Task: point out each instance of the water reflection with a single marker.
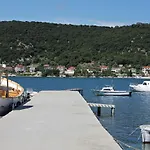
(130, 113)
(145, 146)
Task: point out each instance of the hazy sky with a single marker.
(90, 12)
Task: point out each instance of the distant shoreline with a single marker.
(81, 77)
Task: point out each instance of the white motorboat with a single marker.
(145, 131)
(143, 87)
(110, 91)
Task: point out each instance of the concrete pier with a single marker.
(54, 120)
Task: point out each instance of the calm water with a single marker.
(130, 112)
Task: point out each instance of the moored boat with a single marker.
(11, 93)
(142, 87)
(110, 91)
(31, 92)
(145, 131)
(5, 105)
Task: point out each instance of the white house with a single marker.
(116, 69)
(146, 70)
(70, 71)
(103, 68)
(61, 69)
(19, 68)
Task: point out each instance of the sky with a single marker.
(85, 12)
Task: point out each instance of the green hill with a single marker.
(38, 42)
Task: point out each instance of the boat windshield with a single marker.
(108, 89)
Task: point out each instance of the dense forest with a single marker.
(60, 44)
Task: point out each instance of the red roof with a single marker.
(146, 67)
(103, 67)
(71, 68)
(46, 65)
(20, 66)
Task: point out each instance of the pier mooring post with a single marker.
(98, 111)
(112, 111)
(99, 106)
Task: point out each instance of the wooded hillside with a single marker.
(37, 42)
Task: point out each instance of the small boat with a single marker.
(110, 91)
(143, 87)
(31, 92)
(145, 131)
(11, 94)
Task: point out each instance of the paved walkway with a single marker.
(54, 120)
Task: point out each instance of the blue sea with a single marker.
(130, 112)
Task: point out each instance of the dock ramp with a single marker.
(54, 120)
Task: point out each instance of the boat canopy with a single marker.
(146, 82)
(108, 88)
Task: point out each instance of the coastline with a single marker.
(81, 77)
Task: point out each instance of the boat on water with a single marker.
(11, 93)
(110, 91)
(142, 87)
(145, 131)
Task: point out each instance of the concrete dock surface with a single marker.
(54, 120)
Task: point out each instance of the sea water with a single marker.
(130, 112)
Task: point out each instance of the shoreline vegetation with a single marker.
(50, 49)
